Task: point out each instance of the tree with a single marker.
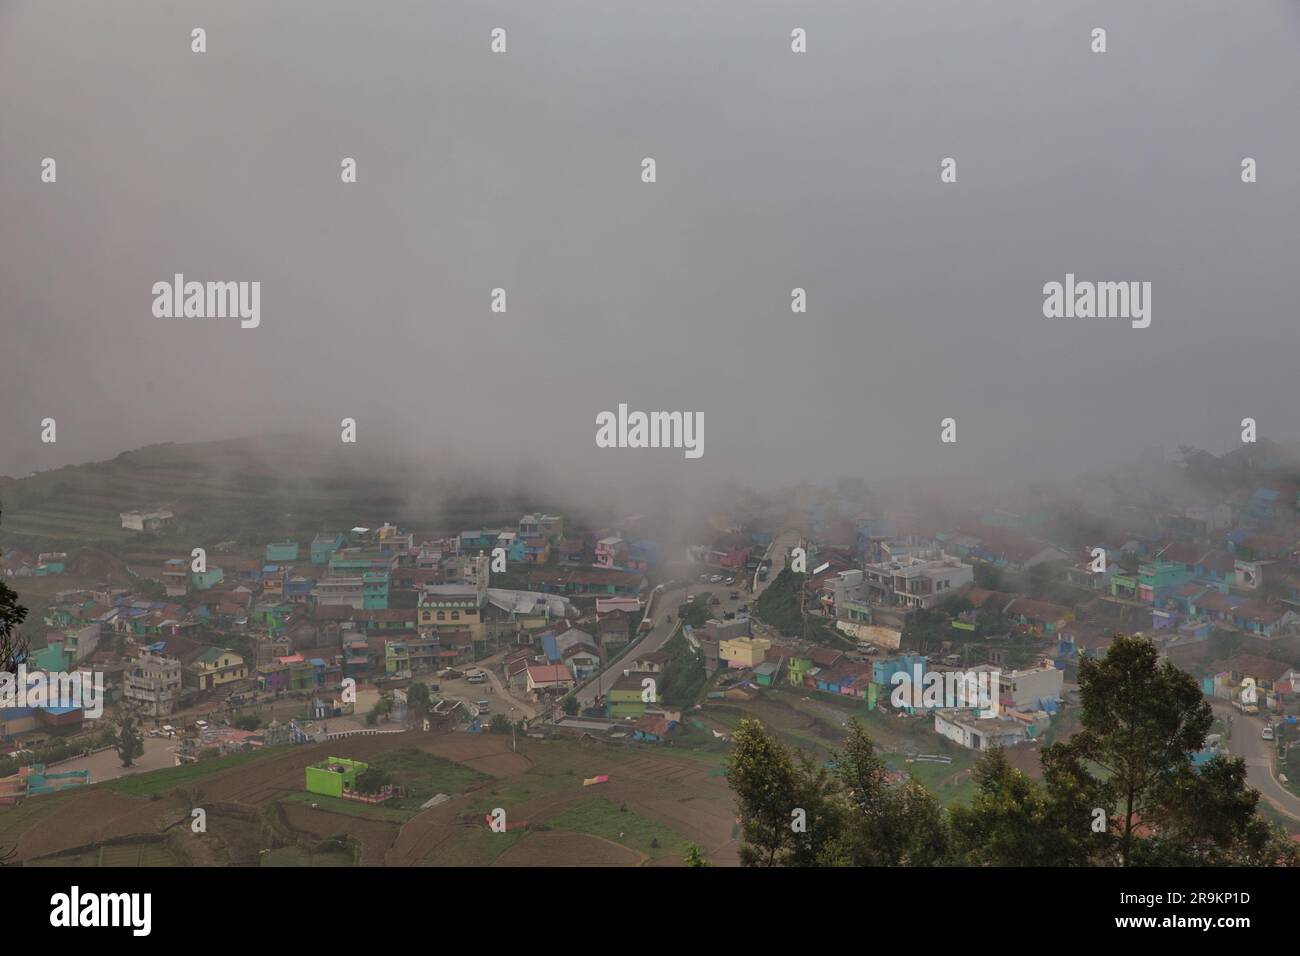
(695, 855)
(248, 722)
(13, 647)
(987, 576)
(129, 743)
(569, 705)
(418, 704)
(1013, 821)
(500, 724)
(1141, 721)
(763, 777)
(1208, 818)
(372, 780)
(887, 824)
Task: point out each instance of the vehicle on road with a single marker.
(715, 579)
(1267, 733)
(477, 677)
(690, 599)
(729, 581)
(451, 674)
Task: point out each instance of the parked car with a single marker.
(730, 581)
(715, 579)
(483, 706)
(734, 595)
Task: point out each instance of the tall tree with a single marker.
(763, 777)
(129, 743)
(886, 823)
(1142, 720)
(1016, 821)
(13, 647)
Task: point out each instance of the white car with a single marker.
(1267, 733)
(715, 579)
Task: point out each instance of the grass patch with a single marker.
(599, 817)
(476, 846)
(363, 811)
(423, 775)
(297, 856)
(169, 778)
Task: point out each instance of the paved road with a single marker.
(776, 551)
(1247, 743)
(666, 604)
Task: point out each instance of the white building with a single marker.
(977, 733)
(145, 520)
(1025, 688)
(340, 592)
(920, 580)
(154, 683)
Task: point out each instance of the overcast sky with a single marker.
(775, 170)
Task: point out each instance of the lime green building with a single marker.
(331, 776)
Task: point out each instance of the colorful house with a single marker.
(743, 651)
(324, 545)
(203, 580)
(283, 551)
(653, 728)
(628, 696)
(374, 590)
(215, 666)
(332, 776)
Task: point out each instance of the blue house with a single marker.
(324, 545)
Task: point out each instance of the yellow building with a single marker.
(743, 651)
(217, 666)
(449, 607)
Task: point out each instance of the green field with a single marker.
(123, 854)
(476, 846)
(599, 817)
(352, 808)
(169, 778)
(424, 775)
(297, 856)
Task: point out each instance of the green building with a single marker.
(625, 698)
(374, 590)
(202, 580)
(331, 776)
(354, 563)
(324, 545)
(282, 551)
